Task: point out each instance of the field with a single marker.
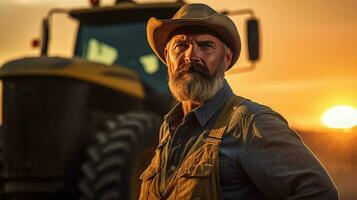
(337, 150)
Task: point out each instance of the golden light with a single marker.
(341, 116)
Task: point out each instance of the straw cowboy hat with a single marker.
(201, 15)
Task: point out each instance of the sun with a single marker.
(341, 116)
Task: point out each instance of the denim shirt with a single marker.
(260, 157)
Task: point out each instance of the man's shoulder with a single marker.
(250, 108)
(247, 112)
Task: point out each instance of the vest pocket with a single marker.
(153, 168)
(149, 172)
(202, 169)
(197, 175)
(148, 177)
(201, 164)
(194, 179)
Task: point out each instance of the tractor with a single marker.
(86, 127)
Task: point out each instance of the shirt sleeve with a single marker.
(279, 163)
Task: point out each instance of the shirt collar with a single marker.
(175, 114)
(204, 112)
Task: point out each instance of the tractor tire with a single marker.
(118, 156)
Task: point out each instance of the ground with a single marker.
(337, 151)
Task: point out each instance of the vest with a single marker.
(198, 175)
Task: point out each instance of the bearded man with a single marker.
(214, 144)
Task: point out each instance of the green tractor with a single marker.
(86, 127)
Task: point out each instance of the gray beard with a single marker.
(196, 87)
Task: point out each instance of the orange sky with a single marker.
(308, 61)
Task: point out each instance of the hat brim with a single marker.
(158, 32)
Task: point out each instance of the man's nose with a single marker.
(192, 54)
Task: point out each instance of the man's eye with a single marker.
(206, 46)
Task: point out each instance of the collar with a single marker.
(204, 112)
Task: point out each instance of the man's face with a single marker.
(196, 63)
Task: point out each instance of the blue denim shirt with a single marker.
(260, 157)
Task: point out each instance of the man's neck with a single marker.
(188, 106)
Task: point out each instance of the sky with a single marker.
(308, 50)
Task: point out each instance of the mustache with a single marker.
(198, 68)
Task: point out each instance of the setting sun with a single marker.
(341, 116)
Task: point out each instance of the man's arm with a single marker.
(280, 165)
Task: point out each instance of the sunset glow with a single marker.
(341, 116)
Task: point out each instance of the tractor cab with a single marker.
(117, 36)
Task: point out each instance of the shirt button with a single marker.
(172, 168)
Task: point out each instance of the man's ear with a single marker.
(166, 54)
(228, 58)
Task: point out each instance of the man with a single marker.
(214, 144)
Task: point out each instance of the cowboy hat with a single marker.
(158, 31)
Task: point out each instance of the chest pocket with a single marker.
(155, 164)
(198, 169)
(150, 172)
(148, 176)
(197, 174)
(153, 168)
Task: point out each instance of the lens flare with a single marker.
(340, 116)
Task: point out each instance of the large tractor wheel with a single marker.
(118, 156)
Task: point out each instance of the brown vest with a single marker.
(198, 176)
